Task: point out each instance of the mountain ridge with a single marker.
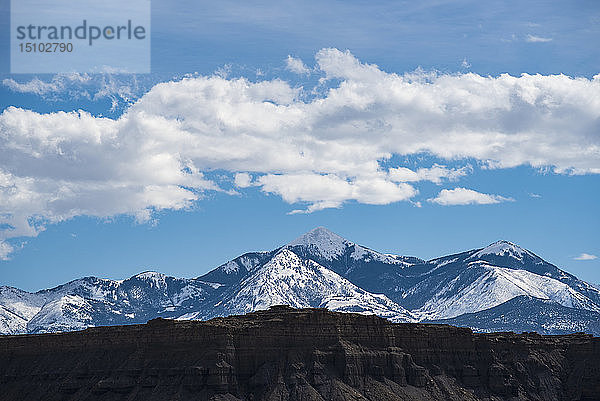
(317, 269)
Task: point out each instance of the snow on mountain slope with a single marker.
(91, 301)
(288, 279)
(21, 303)
(17, 307)
(232, 272)
(67, 313)
(494, 286)
(322, 244)
(11, 323)
(502, 248)
(524, 313)
(318, 269)
(506, 254)
(428, 284)
(368, 269)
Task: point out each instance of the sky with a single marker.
(416, 128)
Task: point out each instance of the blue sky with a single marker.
(454, 157)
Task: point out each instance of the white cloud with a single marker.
(537, 39)
(464, 196)
(59, 83)
(243, 180)
(296, 65)
(465, 64)
(35, 86)
(322, 152)
(61, 165)
(326, 191)
(434, 174)
(586, 256)
(5, 250)
(121, 90)
(533, 195)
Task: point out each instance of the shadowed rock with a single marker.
(305, 354)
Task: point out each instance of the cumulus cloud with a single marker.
(434, 174)
(326, 191)
(586, 256)
(319, 151)
(464, 196)
(296, 65)
(537, 39)
(61, 165)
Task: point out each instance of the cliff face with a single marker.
(307, 354)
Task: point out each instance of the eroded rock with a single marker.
(287, 354)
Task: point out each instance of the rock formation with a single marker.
(297, 354)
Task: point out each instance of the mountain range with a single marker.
(501, 287)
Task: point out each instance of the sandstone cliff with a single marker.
(307, 354)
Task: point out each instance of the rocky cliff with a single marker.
(297, 354)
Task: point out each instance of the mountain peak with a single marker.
(502, 248)
(327, 243)
(155, 279)
(317, 232)
(149, 274)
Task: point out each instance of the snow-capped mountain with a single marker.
(91, 301)
(479, 279)
(376, 272)
(502, 283)
(341, 255)
(524, 313)
(17, 308)
(481, 286)
(302, 283)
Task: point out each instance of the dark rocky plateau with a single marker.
(297, 354)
